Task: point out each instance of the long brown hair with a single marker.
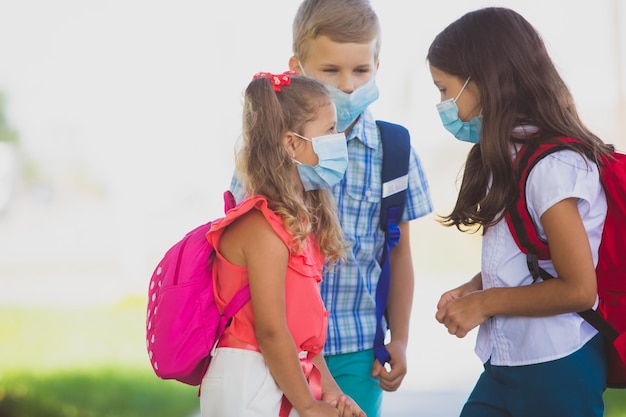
(266, 168)
(518, 84)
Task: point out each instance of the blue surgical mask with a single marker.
(350, 106)
(332, 152)
(449, 114)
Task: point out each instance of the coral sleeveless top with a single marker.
(306, 315)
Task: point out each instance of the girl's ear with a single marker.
(289, 143)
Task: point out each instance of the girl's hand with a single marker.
(448, 296)
(320, 409)
(462, 314)
(344, 404)
(475, 284)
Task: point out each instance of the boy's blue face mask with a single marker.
(332, 153)
(449, 114)
(350, 106)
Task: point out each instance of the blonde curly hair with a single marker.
(265, 167)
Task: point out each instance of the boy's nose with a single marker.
(347, 84)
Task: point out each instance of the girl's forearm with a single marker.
(536, 300)
(328, 382)
(281, 357)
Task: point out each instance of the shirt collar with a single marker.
(525, 131)
(365, 130)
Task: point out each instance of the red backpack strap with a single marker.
(517, 215)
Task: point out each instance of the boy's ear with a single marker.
(294, 65)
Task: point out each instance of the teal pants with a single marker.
(568, 387)
(353, 373)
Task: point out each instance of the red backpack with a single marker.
(183, 323)
(610, 316)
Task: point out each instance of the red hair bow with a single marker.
(277, 80)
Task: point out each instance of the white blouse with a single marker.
(513, 341)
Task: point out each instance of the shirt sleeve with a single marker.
(418, 199)
(237, 188)
(558, 176)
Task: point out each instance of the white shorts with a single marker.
(238, 383)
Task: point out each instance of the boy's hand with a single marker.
(391, 379)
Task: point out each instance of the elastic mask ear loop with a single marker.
(301, 68)
(293, 158)
(462, 89)
(302, 137)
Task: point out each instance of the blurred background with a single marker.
(118, 121)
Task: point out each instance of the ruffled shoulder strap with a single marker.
(250, 203)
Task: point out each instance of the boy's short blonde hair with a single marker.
(342, 21)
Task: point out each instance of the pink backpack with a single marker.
(183, 323)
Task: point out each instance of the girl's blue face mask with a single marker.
(332, 153)
(449, 114)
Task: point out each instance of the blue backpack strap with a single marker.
(395, 172)
(395, 178)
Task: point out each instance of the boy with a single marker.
(337, 42)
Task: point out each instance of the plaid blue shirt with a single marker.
(349, 290)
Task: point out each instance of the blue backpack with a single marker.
(395, 179)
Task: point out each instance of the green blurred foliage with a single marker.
(84, 362)
(96, 393)
(615, 403)
(92, 362)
